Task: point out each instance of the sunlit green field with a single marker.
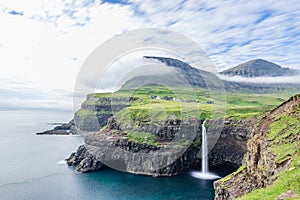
(230, 105)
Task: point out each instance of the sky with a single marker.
(44, 43)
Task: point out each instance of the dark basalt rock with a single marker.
(107, 147)
(54, 132)
(63, 129)
(98, 111)
(232, 144)
(83, 160)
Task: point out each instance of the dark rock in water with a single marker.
(54, 132)
(83, 160)
(63, 129)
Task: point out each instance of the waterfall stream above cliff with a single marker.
(204, 150)
(204, 174)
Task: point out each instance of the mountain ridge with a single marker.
(259, 68)
(192, 77)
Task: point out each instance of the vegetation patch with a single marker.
(142, 137)
(286, 180)
(283, 152)
(201, 107)
(229, 176)
(283, 146)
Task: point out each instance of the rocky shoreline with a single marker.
(106, 148)
(62, 129)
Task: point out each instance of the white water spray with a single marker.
(204, 174)
(204, 150)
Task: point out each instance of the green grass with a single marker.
(142, 137)
(238, 105)
(279, 136)
(286, 180)
(284, 146)
(85, 112)
(150, 110)
(229, 176)
(283, 152)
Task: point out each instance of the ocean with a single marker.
(32, 167)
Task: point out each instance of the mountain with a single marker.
(180, 74)
(183, 75)
(259, 68)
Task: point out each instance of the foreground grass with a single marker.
(283, 145)
(286, 180)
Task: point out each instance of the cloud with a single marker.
(129, 66)
(16, 94)
(47, 41)
(282, 79)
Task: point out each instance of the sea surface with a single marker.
(32, 167)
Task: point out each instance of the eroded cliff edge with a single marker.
(271, 166)
(170, 147)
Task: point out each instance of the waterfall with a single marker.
(204, 150)
(204, 174)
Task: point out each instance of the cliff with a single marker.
(271, 167)
(95, 111)
(169, 149)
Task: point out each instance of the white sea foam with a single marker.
(207, 176)
(62, 162)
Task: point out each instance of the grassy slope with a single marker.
(238, 105)
(146, 110)
(282, 135)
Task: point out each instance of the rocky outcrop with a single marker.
(63, 129)
(83, 160)
(95, 112)
(270, 151)
(232, 144)
(175, 151)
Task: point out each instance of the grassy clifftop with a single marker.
(272, 164)
(195, 103)
(284, 144)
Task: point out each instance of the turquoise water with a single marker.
(31, 168)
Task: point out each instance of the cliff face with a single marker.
(232, 144)
(173, 151)
(270, 159)
(95, 112)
